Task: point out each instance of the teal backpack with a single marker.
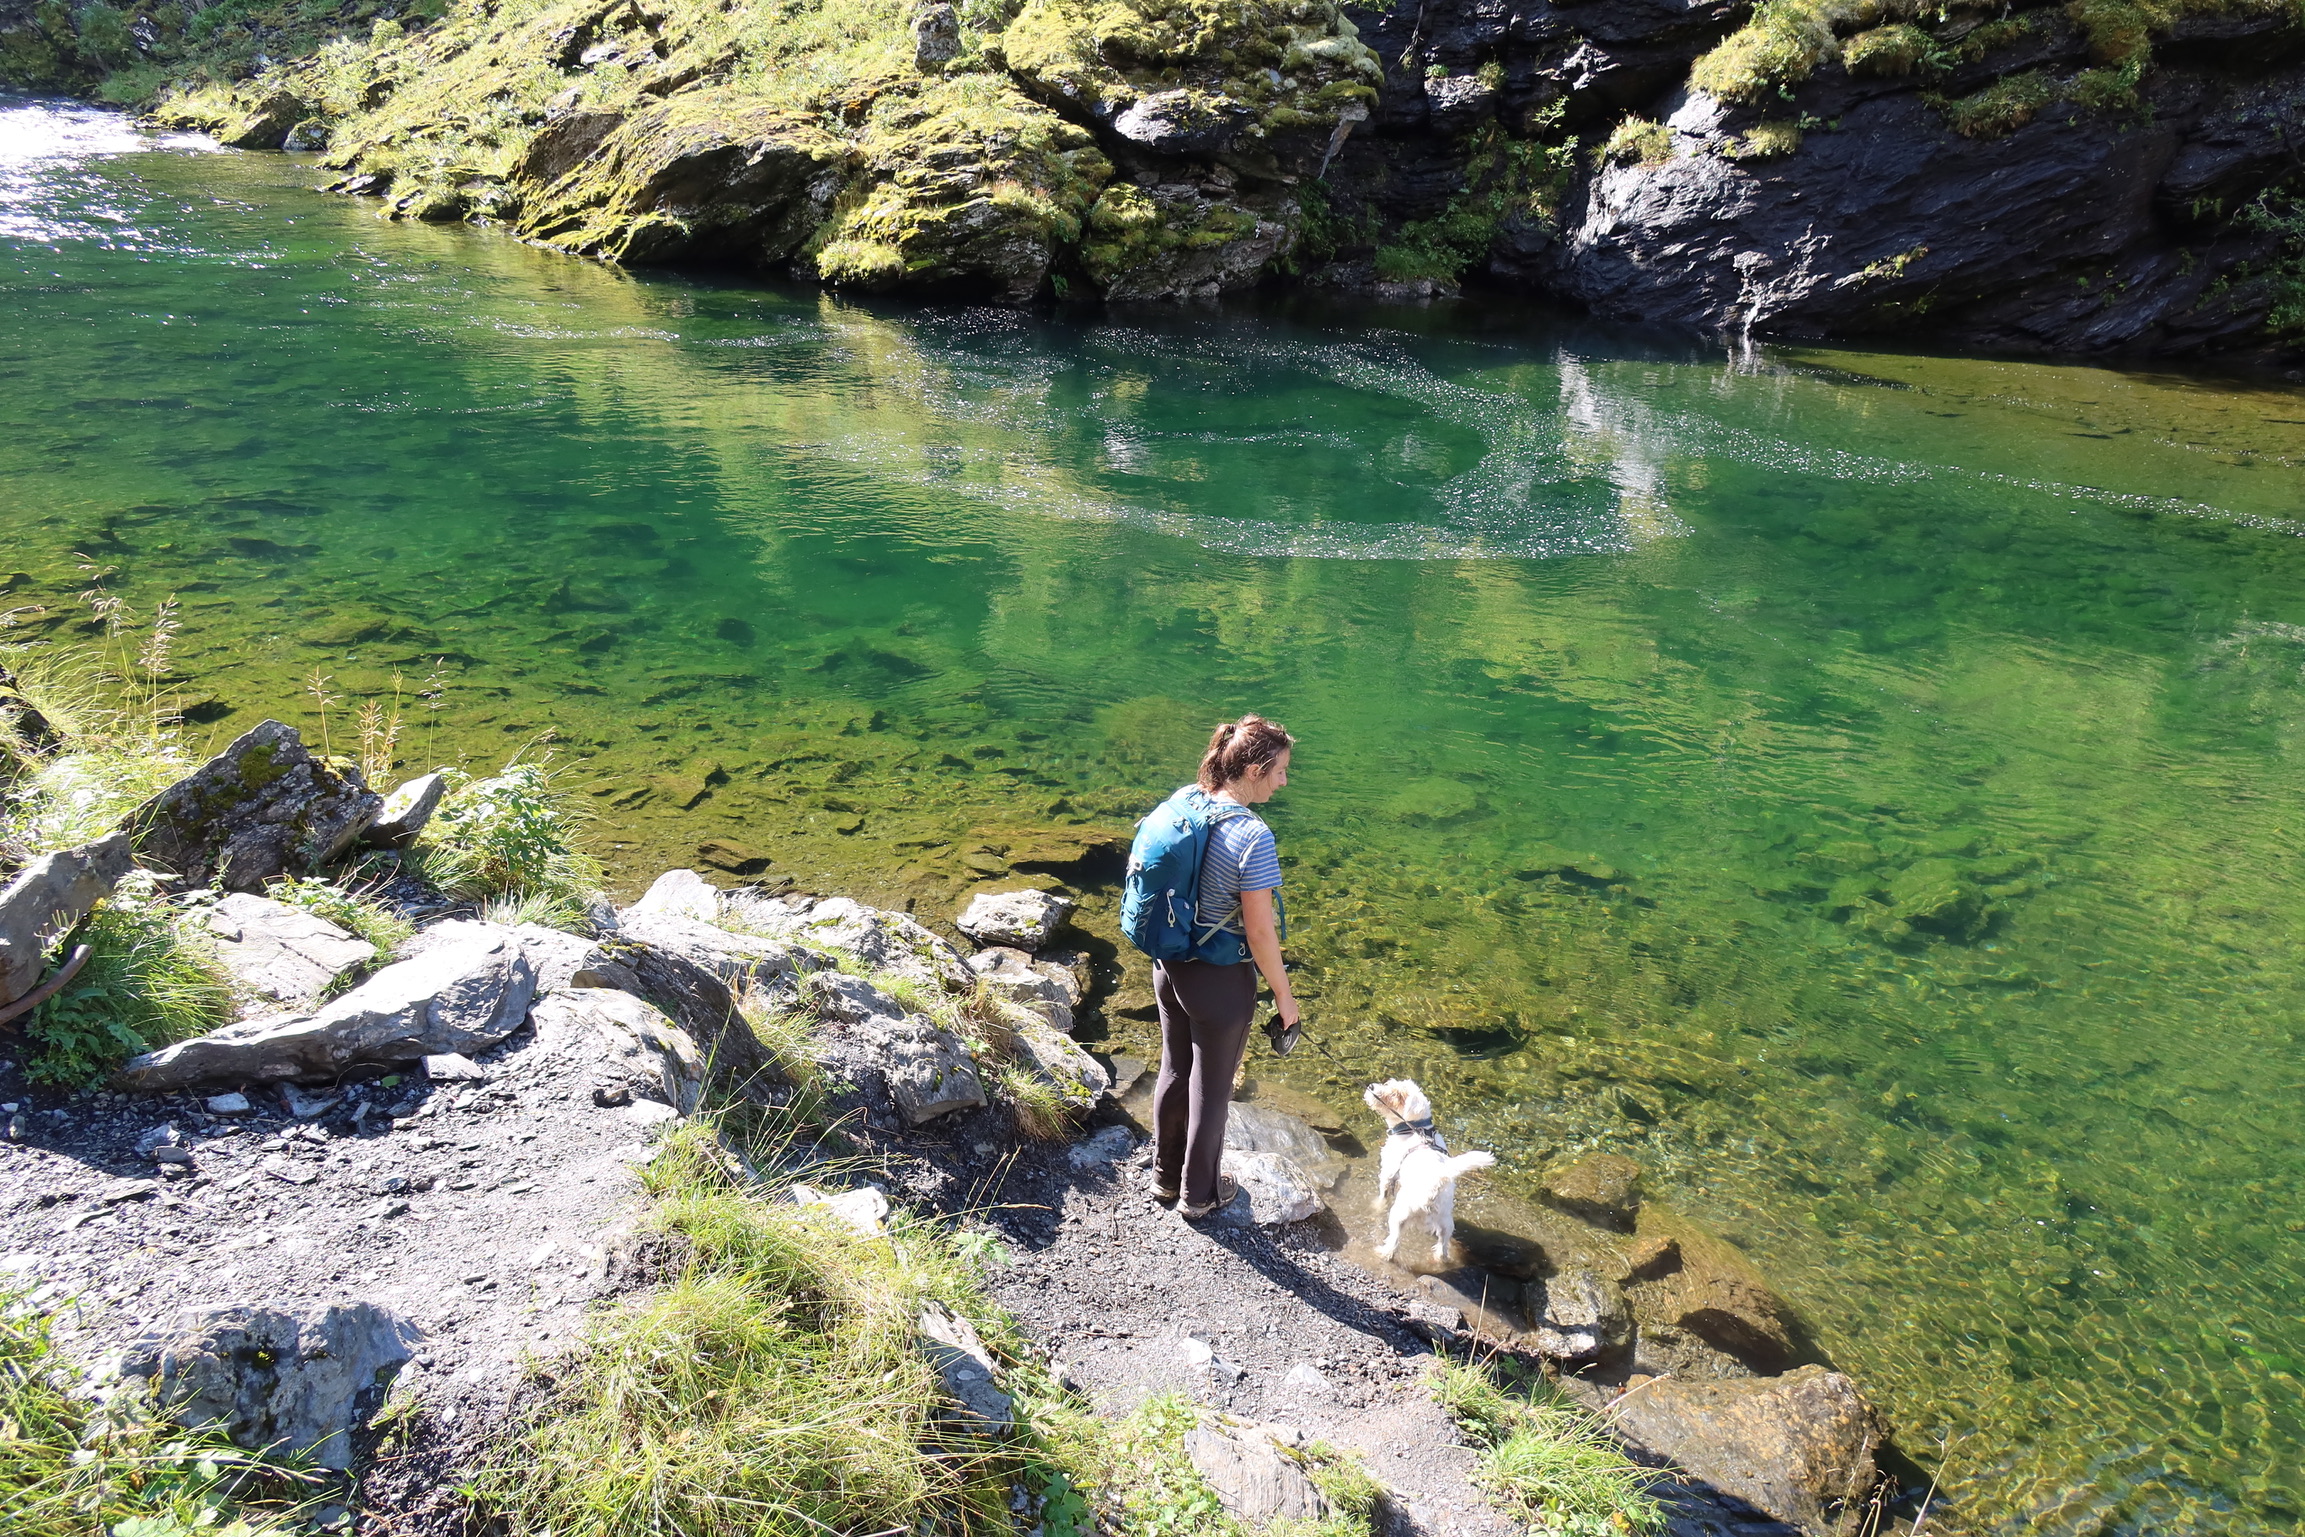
(1160, 895)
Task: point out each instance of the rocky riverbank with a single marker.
(2097, 176)
(354, 1220)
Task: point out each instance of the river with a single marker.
(1858, 785)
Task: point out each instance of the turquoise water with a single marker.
(1860, 786)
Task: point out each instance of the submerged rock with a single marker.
(263, 808)
(46, 898)
(276, 1381)
(1799, 1447)
(1602, 1188)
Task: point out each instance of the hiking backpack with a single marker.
(1160, 896)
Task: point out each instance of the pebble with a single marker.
(227, 1104)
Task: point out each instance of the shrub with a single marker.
(1886, 50)
(1781, 46)
(147, 982)
(1765, 141)
(1549, 1461)
(511, 837)
(71, 1469)
(2003, 107)
(2282, 214)
(1638, 139)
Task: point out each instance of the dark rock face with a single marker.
(263, 808)
(2104, 229)
(267, 125)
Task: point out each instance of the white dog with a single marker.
(1416, 1173)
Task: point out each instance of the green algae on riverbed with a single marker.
(1859, 786)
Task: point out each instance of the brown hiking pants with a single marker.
(1205, 1012)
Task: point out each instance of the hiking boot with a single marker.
(1227, 1188)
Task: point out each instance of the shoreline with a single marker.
(1057, 1205)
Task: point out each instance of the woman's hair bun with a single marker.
(1238, 746)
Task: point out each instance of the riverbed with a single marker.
(1857, 785)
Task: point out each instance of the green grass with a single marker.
(1640, 140)
(149, 981)
(119, 746)
(511, 839)
(773, 1386)
(1546, 1460)
(1779, 48)
(71, 1469)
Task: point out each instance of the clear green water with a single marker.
(1785, 651)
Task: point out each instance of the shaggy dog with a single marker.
(1416, 1172)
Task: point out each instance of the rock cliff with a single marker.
(2093, 176)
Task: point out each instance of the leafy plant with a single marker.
(1550, 1462)
(1505, 178)
(513, 836)
(2281, 213)
(147, 982)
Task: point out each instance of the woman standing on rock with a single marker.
(1208, 997)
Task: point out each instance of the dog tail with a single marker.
(1465, 1163)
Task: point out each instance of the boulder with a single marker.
(889, 1058)
(1602, 1188)
(1185, 239)
(1273, 1189)
(975, 1401)
(562, 960)
(1580, 1315)
(1058, 1058)
(1798, 1447)
(406, 811)
(461, 996)
(276, 1381)
(695, 972)
(288, 955)
(678, 894)
(1025, 920)
(267, 124)
(935, 37)
(1047, 990)
(1254, 1479)
(1183, 122)
(307, 137)
(1717, 1295)
(46, 898)
(1255, 1128)
(884, 941)
(628, 1046)
(263, 808)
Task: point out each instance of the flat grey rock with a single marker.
(1048, 990)
(407, 811)
(1253, 1479)
(461, 996)
(680, 894)
(1255, 1128)
(1080, 1077)
(1273, 1189)
(283, 954)
(975, 1400)
(625, 1043)
(1798, 1447)
(884, 941)
(891, 1057)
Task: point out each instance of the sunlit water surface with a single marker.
(1860, 786)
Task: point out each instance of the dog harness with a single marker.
(1422, 1130)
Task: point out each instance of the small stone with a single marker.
(1027, 919)
(1106, 1148)
(612, 1096)
(292, 1175)
(864, 1209)
(306, 1107)
(406, 812)
(178, 1156)
(170, 1171)
(17, 1128)
(680, 894)
(453, 1067)
(1197, 1352)
(227, 1104)
(1306, 1375)
(116, 1191)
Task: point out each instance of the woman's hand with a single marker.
(1265, 946)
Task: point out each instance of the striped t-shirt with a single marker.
(1241, 857)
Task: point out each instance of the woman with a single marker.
(1205, 1008)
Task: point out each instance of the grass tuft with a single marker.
(1779, 48)
(348, 910)
(1041, 1111)
(149, 981)
(119, 747)
(1551, 1463)
(1638, 139)
(69, 1468)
